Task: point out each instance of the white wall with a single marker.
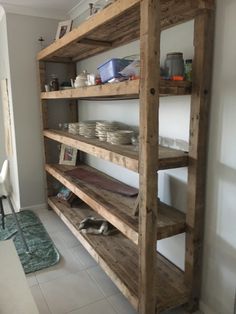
(3, 74)
(22, 35)
(219, 268)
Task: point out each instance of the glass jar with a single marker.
(54, 83)
(188, 70)
(174, 64)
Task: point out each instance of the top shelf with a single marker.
(116, 25)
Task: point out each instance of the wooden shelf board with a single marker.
(116, 25)
(122, 90)
(119, 258)
(116, 208)
(123, 155)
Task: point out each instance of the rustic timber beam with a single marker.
(202, 72)
(149, 108)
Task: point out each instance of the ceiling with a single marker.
(60, 6)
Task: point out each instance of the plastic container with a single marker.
(111, 68)
(174, 64)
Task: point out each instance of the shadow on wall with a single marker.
(219, 267)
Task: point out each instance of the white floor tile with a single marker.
(39, 300)
(31, 279)
(67, 265)
(121, 305)
(70, 292)
(104, 282)
(83, 256)
(64, 239)
(51, 221)
(101, 307)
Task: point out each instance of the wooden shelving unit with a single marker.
(150, 282)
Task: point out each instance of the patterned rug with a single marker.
(43, 252)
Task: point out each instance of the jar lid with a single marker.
(189, 61)
(175, 54)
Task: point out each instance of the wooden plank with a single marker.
(45, 122)
(73, 106)
(202, 69)
(116, 208)
(148, 154)
(125, 89)
(119, 259)
(92, 42)
(123, 155)
(118, 24)
(122, 90)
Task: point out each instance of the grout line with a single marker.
(45, 299)
(84, 306)
(93, 279)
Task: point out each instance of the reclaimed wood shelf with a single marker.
(122, 90)
(150, 282)
(116, 208)
(114, 26)
(123, 155)
(119, 259)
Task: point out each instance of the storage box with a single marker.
(111, 68)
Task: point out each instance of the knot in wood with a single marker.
(153, 91)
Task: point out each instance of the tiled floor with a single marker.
(77, 285)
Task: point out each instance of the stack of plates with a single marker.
(73, 128)
(102, 127)
(87, 128)
(121, 137)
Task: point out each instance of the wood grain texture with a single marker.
(119, 259)
(116, 208)
(117, 25)
(73, 106)
(148, 153)
(202, 69)
(122, 90)
(123, 155)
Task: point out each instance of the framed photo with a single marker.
(63, 28)
(68, 155)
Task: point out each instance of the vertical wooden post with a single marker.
(149, 103)
(44, 106)
(73, 105)
(44, 119)
(202, 69)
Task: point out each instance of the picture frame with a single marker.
(68, 155)
(63, 28)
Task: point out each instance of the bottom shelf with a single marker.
(118, 257)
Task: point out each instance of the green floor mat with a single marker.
(43, 252)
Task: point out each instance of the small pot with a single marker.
(81, 79)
